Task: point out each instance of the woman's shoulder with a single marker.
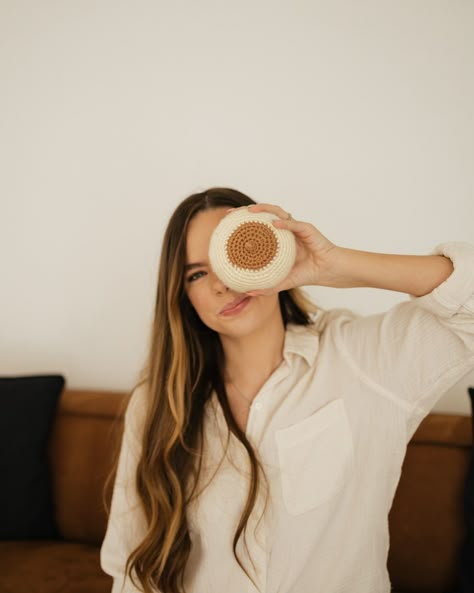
(325, 318)
(323, 324)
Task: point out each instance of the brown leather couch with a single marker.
(426, 521)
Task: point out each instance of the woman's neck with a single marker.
(251, 359)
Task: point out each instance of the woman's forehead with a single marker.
(200, 230)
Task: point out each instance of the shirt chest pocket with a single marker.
(316, 457)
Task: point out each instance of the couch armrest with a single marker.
(426, 519)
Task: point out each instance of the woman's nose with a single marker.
(217, 284)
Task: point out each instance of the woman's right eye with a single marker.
(194, 276)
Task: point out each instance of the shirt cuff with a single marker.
(457, 291)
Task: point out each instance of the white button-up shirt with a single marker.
(330, 427)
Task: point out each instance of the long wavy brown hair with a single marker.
(185, 365)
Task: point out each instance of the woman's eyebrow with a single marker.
(198, 264)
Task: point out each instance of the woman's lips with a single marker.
(236, 308)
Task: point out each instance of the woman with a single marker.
(263, 446)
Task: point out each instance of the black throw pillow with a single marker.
(467, 553)
(27, 408)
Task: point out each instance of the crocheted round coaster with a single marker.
(248, 253)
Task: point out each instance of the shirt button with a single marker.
(258, 406)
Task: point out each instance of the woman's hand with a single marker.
(314, 252)
(320, 262)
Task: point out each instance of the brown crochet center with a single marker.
(252, 246)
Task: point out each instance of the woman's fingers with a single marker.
(290, 224)
(261, 207)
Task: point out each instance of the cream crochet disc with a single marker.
(247, 252)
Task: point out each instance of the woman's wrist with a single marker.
(413, 274)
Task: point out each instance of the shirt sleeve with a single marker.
(417, 350)
(126, 525)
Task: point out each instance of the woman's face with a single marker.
(227, 312)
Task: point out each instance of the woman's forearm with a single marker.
(413, 274)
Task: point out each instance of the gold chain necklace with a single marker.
(240, 393)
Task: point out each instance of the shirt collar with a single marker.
(301, 340)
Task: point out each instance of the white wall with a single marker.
(357, 116)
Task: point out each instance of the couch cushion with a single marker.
(27, 409)
(84, 443)
(47, 566)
